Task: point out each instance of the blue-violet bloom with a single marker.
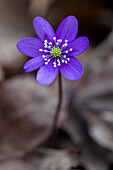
(54, 52)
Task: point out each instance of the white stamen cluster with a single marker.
(55, 50)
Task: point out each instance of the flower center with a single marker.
(55, 52)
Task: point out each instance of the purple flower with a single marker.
(54, 52)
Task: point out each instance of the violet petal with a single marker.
(30, 46)
(47, 74)
(33, 64)
(43, 29)
(73, 70)
(67, 29)
(79, 45)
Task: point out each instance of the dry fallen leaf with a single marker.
(14, 25)
(27, 113)
(43, 159)
(40, 7)
(1, 74)
(101, 130)
(92, 157)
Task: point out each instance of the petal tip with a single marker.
(43, 28)
(87, 42)
(68, 28)
(18, 45)
(25, 70)
(72, 17)
(36, 19)
(42, 82)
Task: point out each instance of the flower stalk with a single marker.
(57, 113)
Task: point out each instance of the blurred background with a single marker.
(84, 139)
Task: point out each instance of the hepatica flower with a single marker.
(54, 52)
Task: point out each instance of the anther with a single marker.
(50, 43)
(60, 40)
(70, 49)
(40, 50)
(46, 51)
(54, 38)
(49, 46)
(59, 64)
(48, 60)
(57, 43)
(64, 45)
(66, 40)
(45, 59)
(43, 56)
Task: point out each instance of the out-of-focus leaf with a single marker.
(44, 159)
(101, 130)
(40, 7)
(77, 129)
(27, 113)
(95, 90)
(14, 25)
(1, 74)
